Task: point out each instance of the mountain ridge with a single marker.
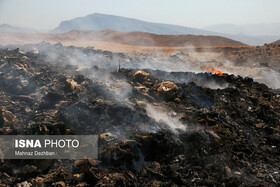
(99, 21)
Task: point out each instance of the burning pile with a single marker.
(215, 71)
(156, 128)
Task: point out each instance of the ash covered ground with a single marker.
(155, 127)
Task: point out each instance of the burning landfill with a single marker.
(155, 127)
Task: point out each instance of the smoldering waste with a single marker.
(156, 128)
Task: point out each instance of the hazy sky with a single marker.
(47, 14)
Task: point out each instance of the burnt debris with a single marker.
(156, 128)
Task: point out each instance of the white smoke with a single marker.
(159, 115)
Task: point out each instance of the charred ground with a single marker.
(161, 128)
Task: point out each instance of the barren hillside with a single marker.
(127, 38)
(276, 42)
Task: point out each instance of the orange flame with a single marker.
(219, 73)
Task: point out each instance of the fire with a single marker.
(219, 73)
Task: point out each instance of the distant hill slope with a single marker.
(102, 22)
(125, 38)
(268, 29)
(10, 28)
(252, 34)
(148, 39)
(252, 40)
(276, 42)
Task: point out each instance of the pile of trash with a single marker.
(155, 128)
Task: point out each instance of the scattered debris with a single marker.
(140, 76)
(168, 90)
(108, 136)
